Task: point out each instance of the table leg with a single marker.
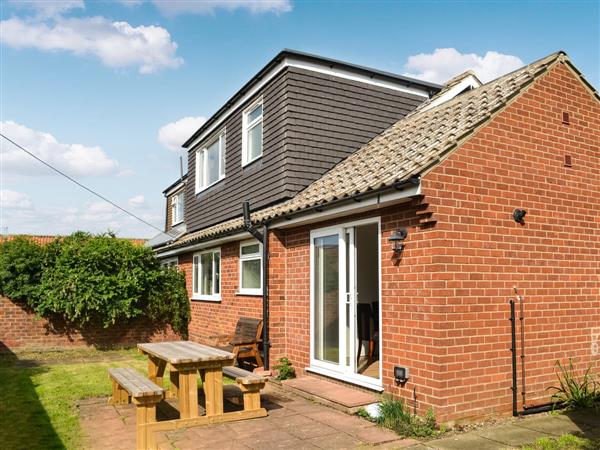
(188, 393)
(156, 370)
(213, 390)
(174, 388)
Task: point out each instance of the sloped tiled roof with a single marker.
(411, 147)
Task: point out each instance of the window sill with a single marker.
(201, 190)
(206, 298)
(174, 224)
(250, 293)
(247, 163)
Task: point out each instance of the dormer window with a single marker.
(177, 209)
(210, 162)
(252, 135)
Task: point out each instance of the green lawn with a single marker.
(40, 391)
(565, 442)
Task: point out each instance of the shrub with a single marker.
(96, 279)
(574, 392)
(21, 262)
(284, 369)
(394, 414)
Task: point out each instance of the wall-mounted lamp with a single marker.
(400, 374)
(519, 215)
(397, 239)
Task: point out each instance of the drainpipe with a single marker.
(263, 238)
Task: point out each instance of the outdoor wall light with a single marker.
(400, 374)
(519, 215)
(397, 239)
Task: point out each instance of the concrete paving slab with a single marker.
(335, 393)
(465, 441)
(337, 441)
(511, 435)
(556, 425)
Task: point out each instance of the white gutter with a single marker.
(377, 201)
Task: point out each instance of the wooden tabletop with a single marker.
(180, 352)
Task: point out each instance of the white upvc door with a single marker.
(333, 300)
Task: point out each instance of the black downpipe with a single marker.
(265, 285)
(513, 349)
(545, 407)
(263, 238)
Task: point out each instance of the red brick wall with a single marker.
(480, 253)
(20, 329)
(445, 302)
(211, 320)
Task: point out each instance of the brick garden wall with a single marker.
(20, 329)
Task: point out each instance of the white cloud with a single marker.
(10, 199)
(49, 8)
(137, 201)
(74, 159)
(95, 217)
(176, 7)
(174, 134)
(445, 63)
(117, 44)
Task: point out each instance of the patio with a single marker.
(293, 423)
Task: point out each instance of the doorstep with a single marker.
(334, 395)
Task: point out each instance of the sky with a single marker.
(107, 91)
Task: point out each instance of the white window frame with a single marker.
(170, 262)
(246, 127)
(196, 295)
(177, 204)
(220, 136)
(253, 257)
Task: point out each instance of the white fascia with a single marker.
(315, 67)
(468, 82)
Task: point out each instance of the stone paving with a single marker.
(293, 423)
(297, 423)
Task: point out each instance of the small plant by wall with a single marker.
(93, 279)
(284, 369)
(573, 391)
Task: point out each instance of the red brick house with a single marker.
(404, 250)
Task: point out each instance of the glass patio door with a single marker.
(333, 299)
(344, 283)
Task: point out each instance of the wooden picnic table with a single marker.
(186, 359)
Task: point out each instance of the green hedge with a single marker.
(93, 279)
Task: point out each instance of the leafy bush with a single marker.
(574, 392)
(94, 279)
(394, 414)
(21, 262)
(284, 369)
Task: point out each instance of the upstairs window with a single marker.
(206, 275)
(252, 133)
(251, 268)
(210, 163)
(177, 209)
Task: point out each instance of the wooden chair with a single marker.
(247, 336)
(367, 329)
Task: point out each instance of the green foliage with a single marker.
(284, 369)
(575, 392)
(362, 412)
(394, 414)
(565, 442)
(89, 279)
(21, 262)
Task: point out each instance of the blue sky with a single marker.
(89, 85)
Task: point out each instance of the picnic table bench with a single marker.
(185, 360)
(129, 384)
(250, 385)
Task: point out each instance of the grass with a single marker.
(40, 392)
(565, 442)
